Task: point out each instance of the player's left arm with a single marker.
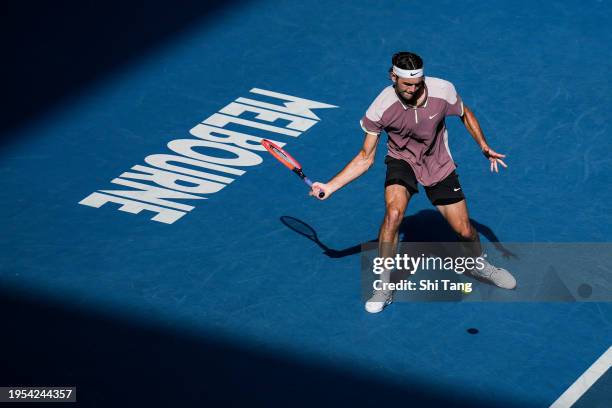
(473, 127)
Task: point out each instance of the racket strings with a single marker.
(284, 157)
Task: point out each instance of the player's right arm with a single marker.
(356, 167)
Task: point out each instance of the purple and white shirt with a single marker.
(417, 135)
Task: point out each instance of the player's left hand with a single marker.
(494, 158)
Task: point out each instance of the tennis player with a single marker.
(412, 111)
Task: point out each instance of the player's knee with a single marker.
(393, 217)
(466, 232)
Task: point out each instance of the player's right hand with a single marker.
(317, 188)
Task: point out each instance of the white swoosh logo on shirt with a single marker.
(433, 116)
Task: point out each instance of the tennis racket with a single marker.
(289, 162)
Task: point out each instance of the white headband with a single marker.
(406, 73)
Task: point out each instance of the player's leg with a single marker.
(400, 185)
(456, 214)
(448, 197)
(396, 202)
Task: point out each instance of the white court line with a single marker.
(585, 381)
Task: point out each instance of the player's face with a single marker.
(408, 88)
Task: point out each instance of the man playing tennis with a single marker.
(413, 111)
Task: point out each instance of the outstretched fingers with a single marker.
(494, 166)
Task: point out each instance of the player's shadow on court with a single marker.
(424, 226)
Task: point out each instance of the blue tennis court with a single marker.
(203, 294)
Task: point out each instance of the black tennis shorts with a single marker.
(447, 191)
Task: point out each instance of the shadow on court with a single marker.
(52, 50)
(118, 363)
(424, 226)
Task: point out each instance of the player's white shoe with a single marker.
(497, 276)
(378, 301)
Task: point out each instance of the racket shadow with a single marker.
(307, 231)
(424, 226)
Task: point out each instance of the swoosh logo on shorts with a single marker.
(456, 189)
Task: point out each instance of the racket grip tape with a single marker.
(309, 182)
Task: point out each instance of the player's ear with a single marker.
(393, 77)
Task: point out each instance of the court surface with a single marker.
(227, 304)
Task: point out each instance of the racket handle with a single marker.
(307, 181)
